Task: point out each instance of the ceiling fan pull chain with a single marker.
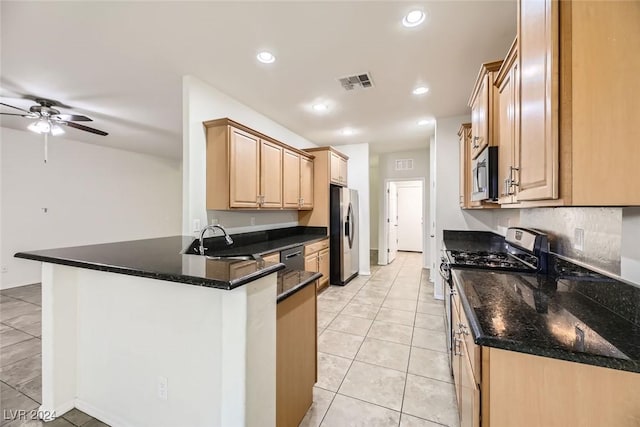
(46, 147)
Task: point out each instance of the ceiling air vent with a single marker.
(359, 81)
(404, 164)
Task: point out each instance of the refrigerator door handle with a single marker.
(348, 227)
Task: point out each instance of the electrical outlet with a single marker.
(215, 221)
(253, 220)
(196, 225)
(578, 239)
(4, 269)
(163, 388)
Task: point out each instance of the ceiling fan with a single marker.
(49, 120)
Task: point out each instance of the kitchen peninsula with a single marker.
(139, 333)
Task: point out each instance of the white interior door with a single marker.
(392, 221)
(410, 218)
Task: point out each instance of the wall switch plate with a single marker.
(215, 221)
(196, 225)
(163, 388)
(253, 220)
(4, 269)
(578, 239)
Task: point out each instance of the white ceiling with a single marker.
(122, 64)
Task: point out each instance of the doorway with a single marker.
(404, 217)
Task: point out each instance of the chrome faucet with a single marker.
(227, 238)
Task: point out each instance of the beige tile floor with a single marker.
(21, 363)
(382, 357)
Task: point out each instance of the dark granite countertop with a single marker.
(165, 258)
(570, 314)
(159, 259)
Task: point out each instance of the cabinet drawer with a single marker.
(272, 257)
(316, 247)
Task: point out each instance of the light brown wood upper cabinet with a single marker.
(484, 107)
(509, 122)
(538, 57)
(291, 179)
(464, 134)
(580, 101)
(297, 181)
(306, 183)
(248, 170)
(244, 165)
(326, 166)
(271, 175)
(338, 170)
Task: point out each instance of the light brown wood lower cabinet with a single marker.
(296, 356)
(527, 390)
(316, 259)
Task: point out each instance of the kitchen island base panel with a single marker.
(110, 340)
(527, 390)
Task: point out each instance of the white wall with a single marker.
(358, 178)
(92, 194)
(386, 171)
(203, 102)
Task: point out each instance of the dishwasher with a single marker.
(292, 258)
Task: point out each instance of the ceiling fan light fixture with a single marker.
(56, 130)
(40, 126)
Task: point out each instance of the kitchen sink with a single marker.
(220, 254)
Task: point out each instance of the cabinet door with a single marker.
(291, 182)
(480, 119)
(463, 167)
(469, 404)
(538, 56)
(334, 169)
(244, 168)
(343, 171)
(323, 267)
(270, 175)
(507, 139)
(306, 183)
(311, 262)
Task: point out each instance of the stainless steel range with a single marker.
(524, 251)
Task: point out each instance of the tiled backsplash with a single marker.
(602, 233)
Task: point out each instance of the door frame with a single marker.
(383, 225)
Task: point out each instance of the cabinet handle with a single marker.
(475, 140)
(456, 347)
(513, 182)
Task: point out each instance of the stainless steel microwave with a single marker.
(484, 175)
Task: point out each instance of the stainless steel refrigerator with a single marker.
(344, 234)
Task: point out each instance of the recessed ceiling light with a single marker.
(420, 90)
(320, 107)
(348, 131)
(424, 122)
(413, 18)
(266, 57)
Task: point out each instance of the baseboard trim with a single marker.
(100, 414)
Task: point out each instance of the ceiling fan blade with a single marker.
(17, 108)
(73, 118)
(31, 116)
(82, 127)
